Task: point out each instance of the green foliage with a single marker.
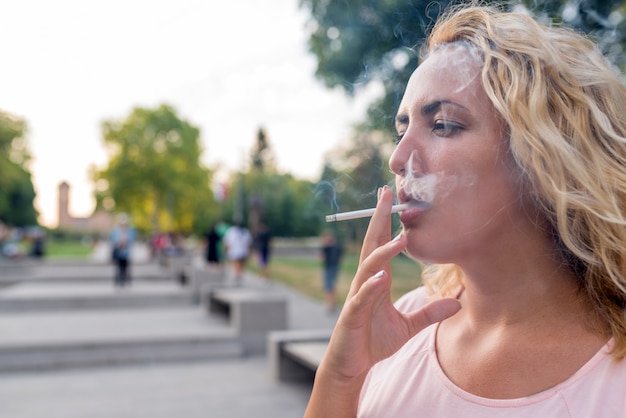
(16, 187)
(285, 204)
(602, 20)
(154, 171)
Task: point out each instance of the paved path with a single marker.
(224, 389)
(226, 386)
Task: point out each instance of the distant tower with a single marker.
(64, 205)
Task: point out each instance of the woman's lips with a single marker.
(415, 210)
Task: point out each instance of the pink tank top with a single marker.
(412, 384)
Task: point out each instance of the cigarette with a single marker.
(363, 213)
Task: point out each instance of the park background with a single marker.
(186, 113)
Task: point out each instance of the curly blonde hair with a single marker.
(565, 111)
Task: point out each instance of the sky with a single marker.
(227, 67)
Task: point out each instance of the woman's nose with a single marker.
(401, 157)
(407, 158)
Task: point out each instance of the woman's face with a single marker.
(451, 159)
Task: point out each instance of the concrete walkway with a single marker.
(60, 309)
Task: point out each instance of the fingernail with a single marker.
(396, 238)
(379, 275)
(380, 190)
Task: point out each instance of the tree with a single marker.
(603, 20)
(365, 41)
(262, 162)
(17, 193)
(154, 171)
(261, 156)
(285, 204)
(351, 178)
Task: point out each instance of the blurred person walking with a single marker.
(122, 238)
(212, 247)
(331, 254)
(237, 245)
(263, 241)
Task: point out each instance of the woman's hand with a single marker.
(369, 328)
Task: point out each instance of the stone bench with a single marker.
(296, 354)
(179, 265)
(252, 313)
(204, 278)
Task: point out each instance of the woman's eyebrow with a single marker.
(430, 108)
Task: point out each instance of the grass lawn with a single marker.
(305, 274)
(67, 249)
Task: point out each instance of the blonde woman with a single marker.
(511, 150)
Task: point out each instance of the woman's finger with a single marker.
(379, 229)
(435, 311)
(377, 261)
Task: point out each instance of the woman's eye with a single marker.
(442, 128)
(397, 138)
